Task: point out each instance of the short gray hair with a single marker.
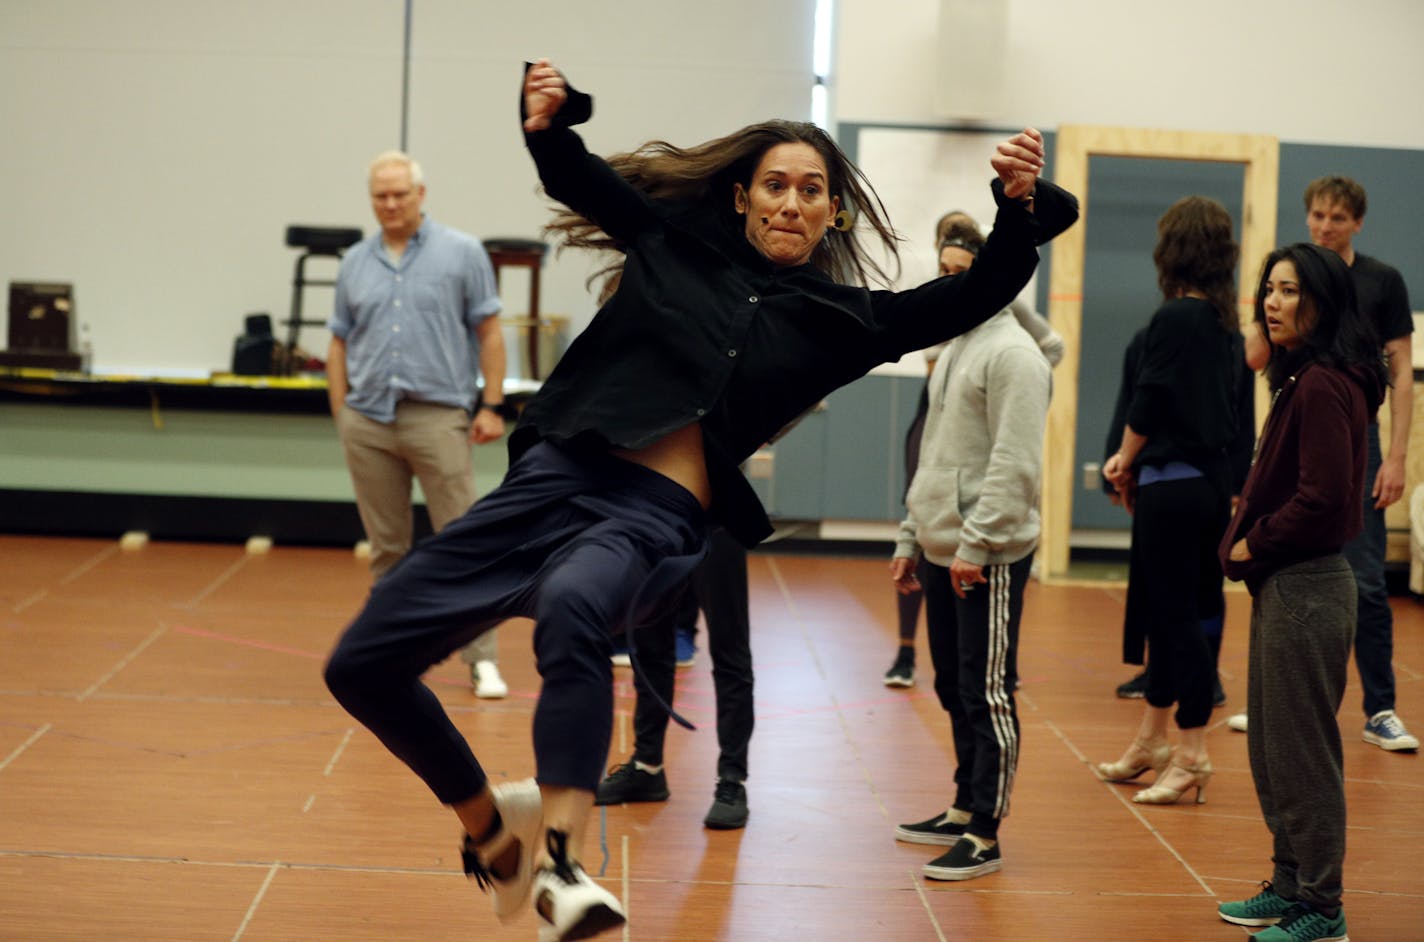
(400, 158)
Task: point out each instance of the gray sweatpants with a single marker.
(1302, 627)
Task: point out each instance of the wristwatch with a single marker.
(502, 409)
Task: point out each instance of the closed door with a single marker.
(1128, 195)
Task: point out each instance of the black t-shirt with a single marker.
(1383, 299)
(1380, 292)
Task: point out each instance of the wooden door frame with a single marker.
(1074, 146)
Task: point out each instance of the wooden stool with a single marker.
(522, 253)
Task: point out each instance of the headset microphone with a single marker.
(765, 220)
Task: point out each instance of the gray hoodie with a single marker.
(975, 493)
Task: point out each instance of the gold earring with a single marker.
(843, 221)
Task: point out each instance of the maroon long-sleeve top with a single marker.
(1303, 497)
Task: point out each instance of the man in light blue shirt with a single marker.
(414, 320)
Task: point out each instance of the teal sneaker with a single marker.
(1263, 909)
(1303, 924)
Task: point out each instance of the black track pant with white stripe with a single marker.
(974, 643)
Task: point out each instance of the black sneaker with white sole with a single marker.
(902, 672)
(937, 830)
(1134, 689)
(729, 807)
(628, 783)
(963, 861)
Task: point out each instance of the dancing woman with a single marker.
(738, 307)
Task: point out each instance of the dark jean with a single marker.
(1374, 629)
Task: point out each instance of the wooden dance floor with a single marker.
(172, 768)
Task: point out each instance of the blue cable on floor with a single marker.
(603, 838)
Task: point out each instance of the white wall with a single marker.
(156, 150)
(1308, 71)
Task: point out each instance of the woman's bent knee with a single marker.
(342, 676)
(353, 679)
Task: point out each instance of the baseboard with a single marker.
(200, 519)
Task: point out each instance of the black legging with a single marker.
(908, 605)
(1175, 578)
(719, 588)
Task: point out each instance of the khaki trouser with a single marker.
(427, 442)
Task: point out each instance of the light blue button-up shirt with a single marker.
(409, 327)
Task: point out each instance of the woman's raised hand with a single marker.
(544, 95)
(1018, 162)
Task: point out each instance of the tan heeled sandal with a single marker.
(1140, 757)
(1160, 794)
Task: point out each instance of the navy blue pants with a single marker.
(582, 543)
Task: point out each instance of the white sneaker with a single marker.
(570, 905)
(521, 812)
(488, 684)
(1237, 721)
